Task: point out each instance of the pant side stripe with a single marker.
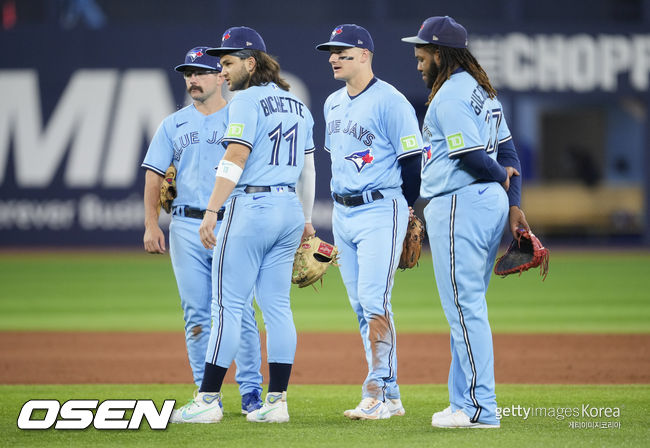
(222, 252)
(452, 256)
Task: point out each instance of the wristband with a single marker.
(211, 211)
(229, 170)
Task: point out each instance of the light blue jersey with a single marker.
(367, 135)
(261, 228)
(465, 221)
(189, 140)
(271, 118)
(460, 119)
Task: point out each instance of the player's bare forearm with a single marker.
(154, 238)
(237, 154)
(222, 189)
(517, 220)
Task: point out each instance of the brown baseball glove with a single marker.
(415, 234)
(168, 189)
(312, 259)
(522, 255)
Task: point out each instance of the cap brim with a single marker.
(412, 40)
(183, 67)
(221, 50)
(327, 45)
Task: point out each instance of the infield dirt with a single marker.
(322, 358)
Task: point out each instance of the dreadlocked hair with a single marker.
(267, 70)
(450, 58)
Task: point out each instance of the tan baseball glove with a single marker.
(312, 259)
(415, 234)
(168, 189)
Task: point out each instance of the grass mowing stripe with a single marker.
(317, 420)
(592, 292)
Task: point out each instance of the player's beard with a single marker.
(240, 80)
(432, 74)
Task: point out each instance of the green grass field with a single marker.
(591, 292)
(584, 292)
(317, 420)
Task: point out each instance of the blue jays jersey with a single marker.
(366, 135)
(189, 139)
(277, 127)
(461, 118)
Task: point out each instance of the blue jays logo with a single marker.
(360, 159)
(195, 55)
(225, 36)
(337, 30)
(426, 155)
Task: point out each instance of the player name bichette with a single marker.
(281, 104)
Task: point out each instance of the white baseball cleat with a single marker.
(445, 412)
(369, 409)
(205, 407)
(395, 407)
(274, 409)
(457, 419)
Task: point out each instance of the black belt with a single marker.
(354, 200)
(196, 213)
(254, 189)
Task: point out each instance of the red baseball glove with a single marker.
(522, 255)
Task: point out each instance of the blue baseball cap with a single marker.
(197, 58)
(440, 30)
(238, 38)
(348, 35)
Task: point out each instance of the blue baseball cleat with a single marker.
(250, 402)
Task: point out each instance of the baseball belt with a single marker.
(193, 212)
(354, 200)
(254, 189)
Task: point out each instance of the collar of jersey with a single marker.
(372, 81)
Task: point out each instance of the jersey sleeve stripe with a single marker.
(153, 168)
(310, 150)
(237, 140)
(505, 139)
(455, 154)
(326, 149)
(415, 152)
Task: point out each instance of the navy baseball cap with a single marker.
(440, 30)
(348, 35)
(197, 58)
(238, 38)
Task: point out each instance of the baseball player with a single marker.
(469, 163)
(373, 137)
(269, 141)
(188, 139)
